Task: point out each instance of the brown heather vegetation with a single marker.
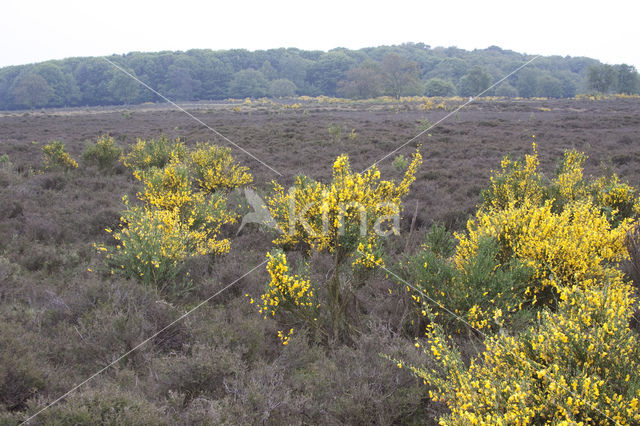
(64, 317)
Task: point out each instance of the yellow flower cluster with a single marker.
(56, 158)
(179, 218)
(567, 247)
(580, 364)
(214, 168)
(285, 337)
(154, 153)
(569, 180)
(617, 199)
(345, 215)
(345, 219)
(104, 152)
(287, 291)
(516, 182)
(153, 243)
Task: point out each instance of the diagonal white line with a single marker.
(471, 99)
(462, 320)
(144, 342)
(192, 116)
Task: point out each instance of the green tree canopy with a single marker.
(439, 87)
(400, 76)
(32, 91)
(282, 88)
(361, 83)
(628, 81)
(474, 82)
(248, 83)
(601, 78)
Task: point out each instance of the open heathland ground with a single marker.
(65, 317)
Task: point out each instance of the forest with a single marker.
(409, 69)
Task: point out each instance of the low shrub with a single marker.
(56, 158)
(579, 364)
(185, 207)
(153, 243)
(345, 219)
(400, 163)
(109, 404)
(103, 153)
(154, 153)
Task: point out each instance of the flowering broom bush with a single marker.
(572, 239)
(154, 153)
(153, 243)
(579, 365)
(179, 218)
(214, 168)
(344, 219)
(56, 158)
(579, 362)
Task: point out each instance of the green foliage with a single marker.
(439, 87)
(248, 83)
(31, 91)
(202, 74)
(282, 88)
(506, 90)
(56, 158)
(400, 163)
(335, 130)
(154, 153)
(474, 82)
(440, 241)
(361, 82)
(628, 80)
(400, 76)
(103, 153)
(4, 160)
(482, 285)
(549, 87)
(601, 78)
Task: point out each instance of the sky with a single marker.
(34, 31)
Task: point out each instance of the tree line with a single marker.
(405, 70)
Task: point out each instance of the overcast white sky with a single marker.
(34, 31)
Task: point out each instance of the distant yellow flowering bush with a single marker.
(579, 364)
(56, 158)
(154, 153)
(519, 181)
(345, 219)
